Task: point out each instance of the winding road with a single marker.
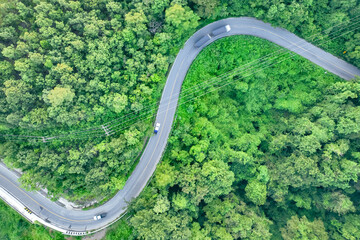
(74, 222)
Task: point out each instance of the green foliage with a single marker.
(14, 227)
(236, 219)
(279, 144)
(304, 229)
(165, 175)
(241, 159)
(338, 203)
(122, 231)
(206, 183)
(159, 222)
(347, 228)
(180, 20)
(77, 65)
(59, 96)
(206, 8)
(256, 192)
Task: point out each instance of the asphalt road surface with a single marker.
(73, 220)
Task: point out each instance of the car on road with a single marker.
(100, 216)
(157, 127)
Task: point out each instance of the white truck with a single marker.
(157, 127)
(220, 30)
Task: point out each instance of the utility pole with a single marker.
(106, 130)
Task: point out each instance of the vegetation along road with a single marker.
(82, 222)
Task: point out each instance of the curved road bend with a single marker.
(83, 220)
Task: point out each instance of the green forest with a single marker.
(14, 227)
(271, 154)
(258, 159)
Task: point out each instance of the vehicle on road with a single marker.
(202, 41)
(62, 219)
(100, 216)
(221, 30)
(157, 127)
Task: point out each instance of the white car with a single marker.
(157, 127)
(100, 216)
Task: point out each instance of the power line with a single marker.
(118, 124)
(225, 76)
(184, 90)
(206, 92)
(218, 81)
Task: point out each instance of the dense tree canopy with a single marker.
(273, 155)
(67, 65)
(250, 168)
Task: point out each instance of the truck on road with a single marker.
(202, 41)
(157, 127)
(207, 37)
(220, 30)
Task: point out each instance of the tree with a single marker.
(69, 66)
(14, 226)
(180, 19)
(8, 152)
(206, 183)
(236, 218)
(162, 205)
(165, 175)
(59, 96)
(122, 231)
(303, 229)
(161, 225)
(206, 8)
(199, 234)
(116, 102)
(37, 117)
(18, 95)
(158, 6)
(348, 228)
(337, 203)
(180, 202)
(256, 192)
(136, 20)
(14, 118)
